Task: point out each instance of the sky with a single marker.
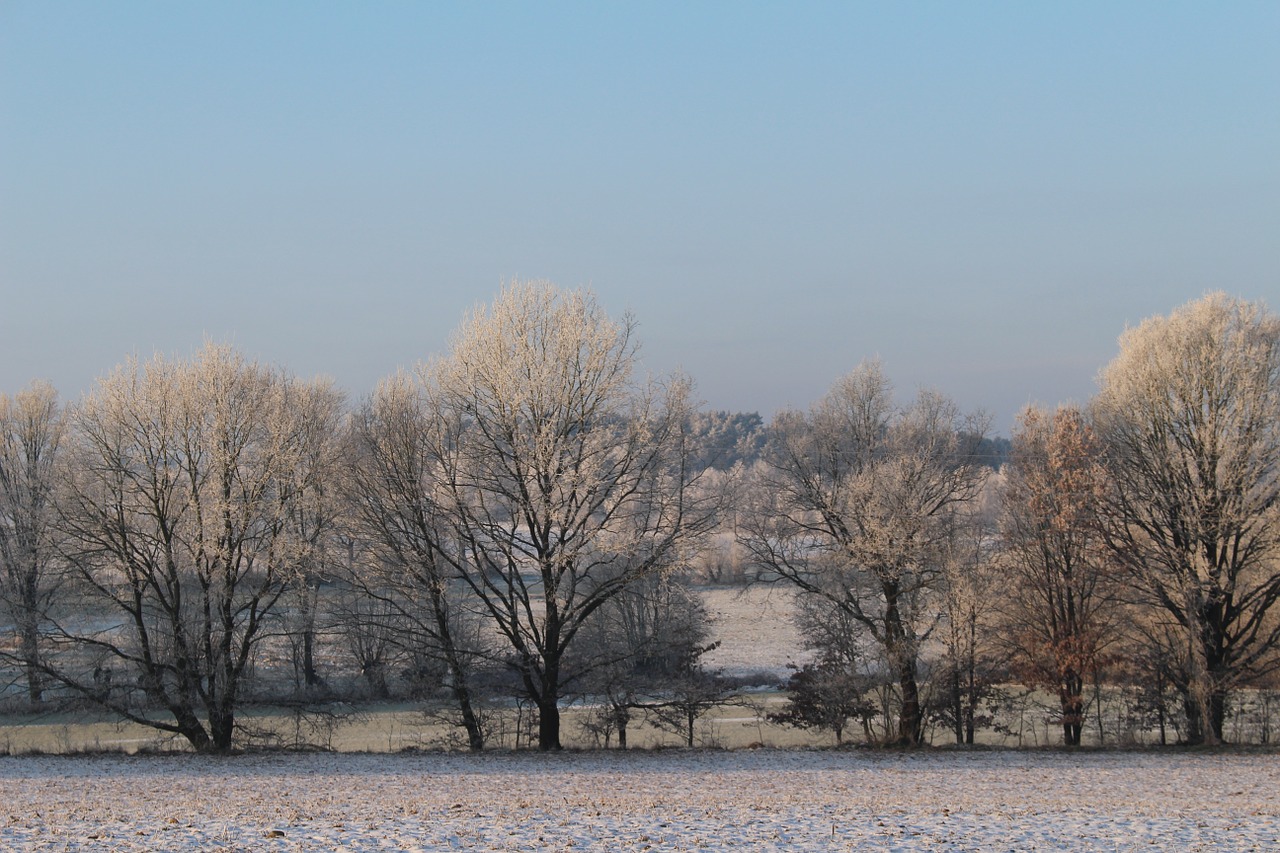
(982, 195)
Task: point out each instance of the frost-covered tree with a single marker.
(180, 514)
(723, 439)
(1190, 415)
(314, 516)
(567, 478)
(402, 507)
(1061, 599)
(972, 588)
(856, 502)
(31, 429)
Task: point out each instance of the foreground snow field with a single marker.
(762, 800)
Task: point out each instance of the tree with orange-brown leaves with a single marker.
(1062, 603)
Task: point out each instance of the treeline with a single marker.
(518, 521)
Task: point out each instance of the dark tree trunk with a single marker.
(549, 706)
(957, 706)
(901, 654)
(910, 719)
(470, 722)
(620, 719)
(548, 724)
(375, 675)
(1072, 700)
(457, 669)
(309, 675)
(189, 727)
(1195, 723)
(222, 726)
(1218, 713)
(971, 685)
(31, 661)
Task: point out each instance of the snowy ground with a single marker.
(669, 800)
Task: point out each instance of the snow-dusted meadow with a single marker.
(666, 800)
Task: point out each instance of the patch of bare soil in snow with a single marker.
(671, 800)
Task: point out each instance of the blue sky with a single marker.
(981, 194)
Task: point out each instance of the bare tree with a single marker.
(1061, 602)
(31, 429)
(1190, 414)
(313, 513)
(971, 591)
(180, 517)
(856, 503)
(646, 640)
(568, 479)
(401, 499)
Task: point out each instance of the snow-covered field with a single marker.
(755, 627)
(668, 800)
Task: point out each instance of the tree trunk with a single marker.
(620, 719)
(1071, 730)
(1195, 722)
(901, 654)
(1206, 701)
(31, 661)
(309, 675)
(457, 669)
(1218, 714)
(470, 722)
(957, 705)
(189, 727)
(1072, 700)
(1206, 712)
(971, 680)
(910, 720)
(375, 675)
(549, 706)
(222, 726)
(548, 724)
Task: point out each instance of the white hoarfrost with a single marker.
(758, 800)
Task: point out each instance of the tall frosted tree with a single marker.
(31, 430)
(565, 477)
(1190, 414)
(181, 521)
(856, 502)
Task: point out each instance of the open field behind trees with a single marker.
(754, 627)
(758, 641)
(759, 799)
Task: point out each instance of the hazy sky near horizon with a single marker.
(981, 194)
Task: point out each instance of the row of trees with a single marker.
(519, 509)
(166, 524)
(1148, 520)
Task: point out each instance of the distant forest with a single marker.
(724, 439)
